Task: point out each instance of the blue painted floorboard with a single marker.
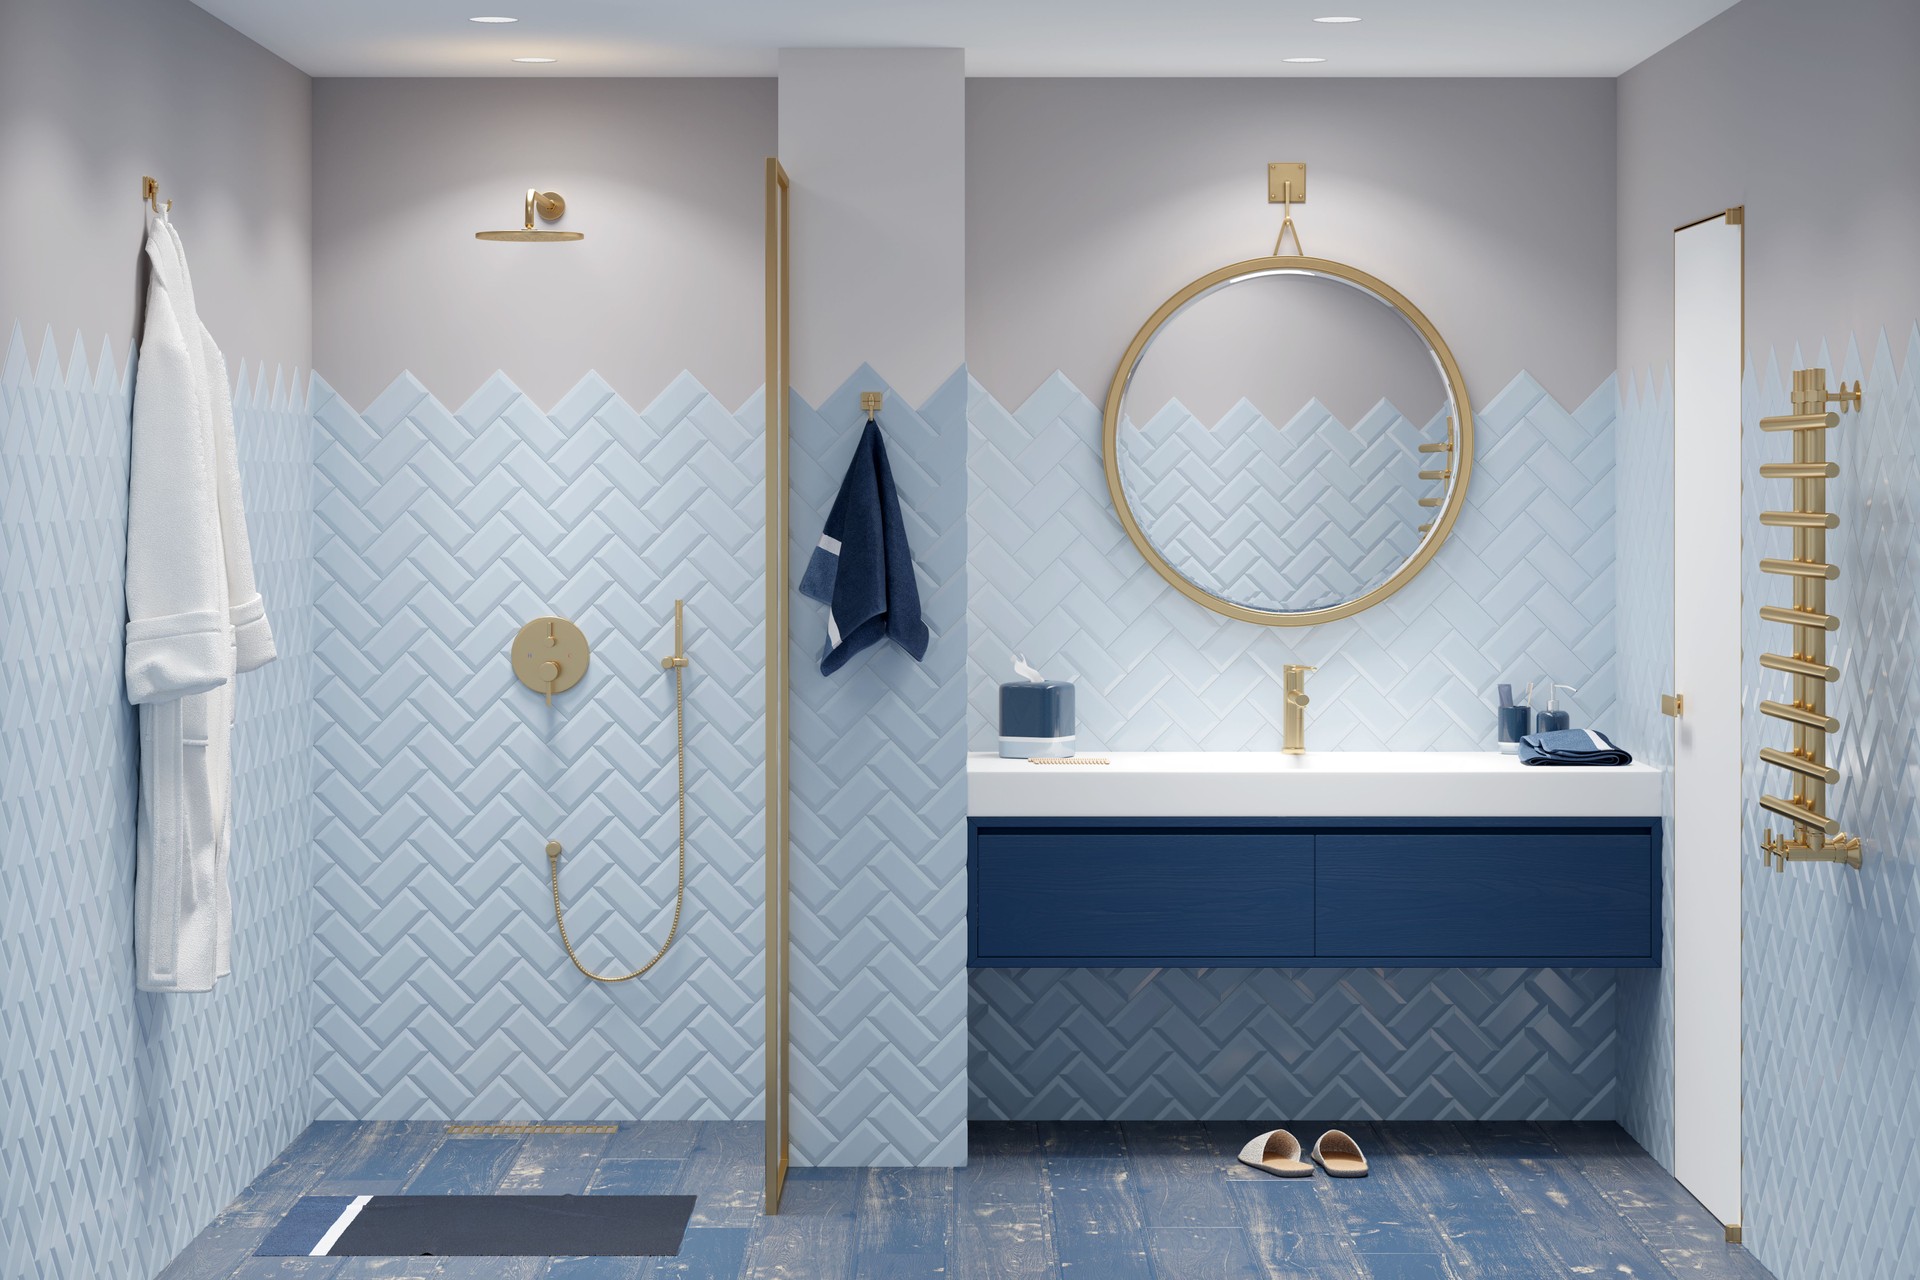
(1048, 1201)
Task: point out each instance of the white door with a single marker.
(1706, 839)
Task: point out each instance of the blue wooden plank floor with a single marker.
(1095, 1201)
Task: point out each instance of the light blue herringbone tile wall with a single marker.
(443, 990)
(1523, 589)
(879, 990)
(1831, 1115)
(128, 1119)
(1224, 500)
(1644, 627)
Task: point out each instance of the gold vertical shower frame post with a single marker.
(1815, 837)
(778, 675)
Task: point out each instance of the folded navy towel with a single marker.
(1571, 746)
(863, 569)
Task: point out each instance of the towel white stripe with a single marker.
(340, 1224)
(833, 631)
(830, 545)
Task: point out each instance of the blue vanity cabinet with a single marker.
(1327, 892)
(1060, 896)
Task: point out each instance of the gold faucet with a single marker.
(1295, 721)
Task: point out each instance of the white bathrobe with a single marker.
(194, 621)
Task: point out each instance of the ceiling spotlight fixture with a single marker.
(1303, 59)
(1336, 19)
(493, 20)
(536, 59)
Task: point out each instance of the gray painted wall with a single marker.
(874, 143)
(664, 177)
(1805, 113)
(1484, 201)
(95, 93)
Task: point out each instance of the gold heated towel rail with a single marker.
(1443, 472)
(1815, 836)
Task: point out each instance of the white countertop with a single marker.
(1319, 784)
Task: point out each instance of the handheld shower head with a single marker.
(550, 207)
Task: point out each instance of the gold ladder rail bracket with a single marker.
(1814, 836)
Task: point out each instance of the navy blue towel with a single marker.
(863, 569)
(1571, 746)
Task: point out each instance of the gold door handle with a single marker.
(1673, 704)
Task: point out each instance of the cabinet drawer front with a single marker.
(1117, 895)
(1492, 895)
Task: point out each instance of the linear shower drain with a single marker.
(517, 1130)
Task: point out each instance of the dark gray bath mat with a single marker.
(480, 1227)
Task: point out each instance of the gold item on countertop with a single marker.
(550, 656)
(551, 207)
(1294, 716)
(675, 662)
(1815, 836)
(779, 678)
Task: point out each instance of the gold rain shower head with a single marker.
(550, 207)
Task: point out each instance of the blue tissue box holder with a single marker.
(1036, 719)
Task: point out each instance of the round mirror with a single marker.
(1288, 440)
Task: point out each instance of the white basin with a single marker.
(1319, 784)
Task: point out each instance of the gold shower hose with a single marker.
(679, 664)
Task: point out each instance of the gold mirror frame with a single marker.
(1460, 434)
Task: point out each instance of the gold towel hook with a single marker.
(150, 192)
(870, 402)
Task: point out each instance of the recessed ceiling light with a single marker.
(1336, 19)
(1303, 59)
(491, 20)
(536, 59)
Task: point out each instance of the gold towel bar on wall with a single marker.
(1800, 422)
(1801, 519)
(1814, 836)
(1801, 715)
(1799, 617)
(1802, 568)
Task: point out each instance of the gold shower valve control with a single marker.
(550, 656)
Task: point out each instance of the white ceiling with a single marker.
(1001, 37)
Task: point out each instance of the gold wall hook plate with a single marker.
(550, 655)
(1286, 182)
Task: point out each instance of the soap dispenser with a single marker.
(1553, 718)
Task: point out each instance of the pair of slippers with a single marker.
(1278, 1152)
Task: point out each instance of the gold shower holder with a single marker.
(1815, 836)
